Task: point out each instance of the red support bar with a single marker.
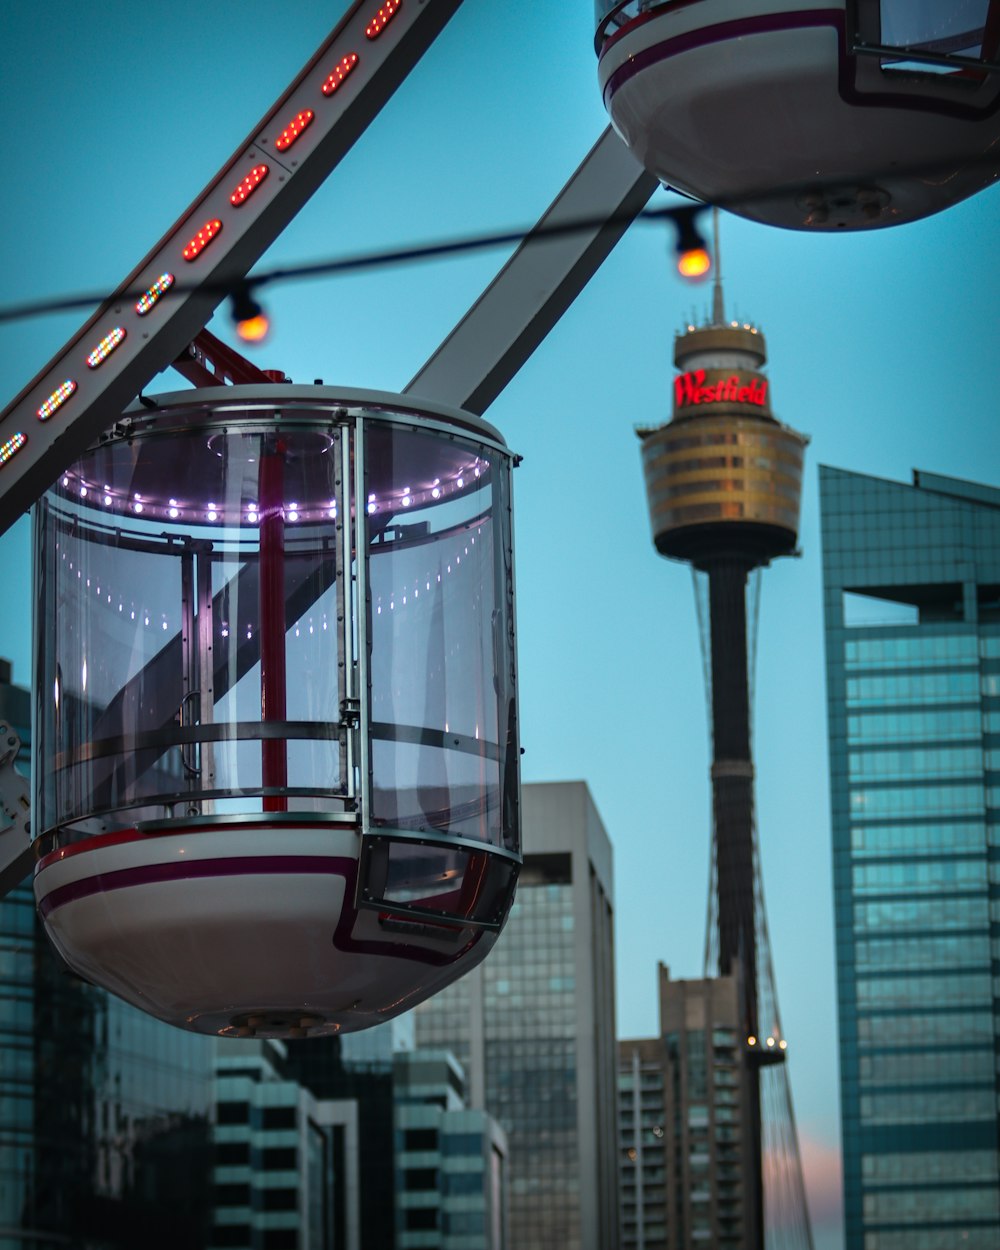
(271, 619)
(207, 361)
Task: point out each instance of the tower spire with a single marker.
(718, 312)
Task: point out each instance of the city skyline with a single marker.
(878, 345)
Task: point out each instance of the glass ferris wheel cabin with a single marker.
(276, 726)
(810, 114)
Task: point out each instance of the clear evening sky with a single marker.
(883, 348)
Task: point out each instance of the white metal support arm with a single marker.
(540, 281)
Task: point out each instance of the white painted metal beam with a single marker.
(540, 281)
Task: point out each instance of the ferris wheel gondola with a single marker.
(808, 114)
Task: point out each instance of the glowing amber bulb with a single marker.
(694, 263)
(253, 329)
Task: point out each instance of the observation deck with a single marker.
(723, 476)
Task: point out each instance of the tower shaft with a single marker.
(733, 805)
(732, 774)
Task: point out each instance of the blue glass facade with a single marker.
(912, 613)
(105, 1113)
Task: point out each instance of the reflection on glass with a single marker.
(442, 681)
(178, 616)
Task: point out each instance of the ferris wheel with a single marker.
(255, 819)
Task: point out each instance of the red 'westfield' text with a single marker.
(690, 388)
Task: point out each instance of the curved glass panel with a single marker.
(403, 877)
(610, 16)
(191, 661)
(443, 737)
(953, 29)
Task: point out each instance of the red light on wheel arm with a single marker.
(146, 301)
(105, 347)
(293, 130)
(202, 239)
(382, 18)
(56, 400)
(249, 185)
(340, 73)
(11, 447)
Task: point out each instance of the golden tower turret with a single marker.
(723, 474)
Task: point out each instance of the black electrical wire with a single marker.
(680, 216)
(359, 262)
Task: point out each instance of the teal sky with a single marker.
(882, 348)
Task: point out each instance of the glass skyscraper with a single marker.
(105, 1113)
(912, 609)
(534, 1028)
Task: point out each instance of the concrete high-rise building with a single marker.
(683, 1122)
(534, 1028)
(451, 1160)
(285, 1163)
(912, 605)
(359, 1067)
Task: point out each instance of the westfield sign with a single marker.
(691, 388)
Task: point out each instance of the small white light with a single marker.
(436, 493)
(137, 507)
(83, 492)
(164, 624)
(293, 516)
(406, 501)
(107, 501)
(172, 512)
(212, 514)
(371, 508)
(461, 482)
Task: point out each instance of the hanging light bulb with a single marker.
(693, 259)
(251, 321)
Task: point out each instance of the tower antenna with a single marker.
(718, 317)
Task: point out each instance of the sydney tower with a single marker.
(723, 479)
